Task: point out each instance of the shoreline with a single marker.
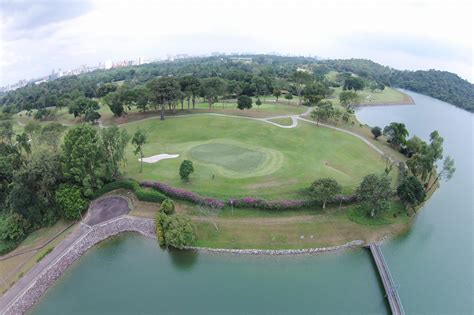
(37, 287)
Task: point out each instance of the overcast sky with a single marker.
(38, 36)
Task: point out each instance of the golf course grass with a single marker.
(236, 157)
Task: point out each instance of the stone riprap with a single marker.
(355, 243)
(28, 297)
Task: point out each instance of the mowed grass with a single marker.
(296, 157)
(233, 157)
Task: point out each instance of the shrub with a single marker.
(70, 201)
(185, 169)
(179, 231)
(167, 206)
(160, 235)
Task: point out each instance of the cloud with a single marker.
(23, 18)
(409, 45)
(39, 36)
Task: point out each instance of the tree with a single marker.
(325, 190)
(115, 103)
(244, 102)
(349, 99)
(190, 87)
(374, 193)
(33, 186)
(446, 172)
(32, 129)
(185, 169)
(114, 143)
(289, 97)
(6, 131)
(376, 132)
(411, 191)
(142, 97)
(82, 157)
(23, 142)
(277, 93)
(139, 139)
(415, 145)
(85, 108)
(212, 88)
(179, 231)
(396, 134)
(164, 91)
(315, 92)
(300, 79)
(70, 201)
(323, 111)
(167, 206)
(258, 103)
(51, 135)
(353, 83)
(12, 228)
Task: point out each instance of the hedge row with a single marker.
(183, 194)
(130, 184)
(247, 202)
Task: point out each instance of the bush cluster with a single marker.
(130, 184)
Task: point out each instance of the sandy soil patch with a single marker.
(159, 157)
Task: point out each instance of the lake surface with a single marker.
(432, 264)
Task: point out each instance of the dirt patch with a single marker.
(105, 209)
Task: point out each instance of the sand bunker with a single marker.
(159, 157)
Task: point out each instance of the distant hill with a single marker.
(443, 85)
(239, 73)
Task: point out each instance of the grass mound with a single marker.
(230, 156)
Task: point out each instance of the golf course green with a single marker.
(235, 157)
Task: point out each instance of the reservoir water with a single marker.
(432, 264)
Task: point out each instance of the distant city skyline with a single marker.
(39, 36)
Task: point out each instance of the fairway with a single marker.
(235, 157)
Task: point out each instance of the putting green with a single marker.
(236, 160)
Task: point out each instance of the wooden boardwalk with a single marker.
(387, 280)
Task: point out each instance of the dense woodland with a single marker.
(259, 77)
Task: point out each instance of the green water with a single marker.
(432, 264)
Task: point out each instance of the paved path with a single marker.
(99, 211)
(23, 282)
(387, 280)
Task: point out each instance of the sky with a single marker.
(37, 36)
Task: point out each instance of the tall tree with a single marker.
(411, 191)
(139, 139)
(82, 157)
(300, 79)
(33, 186)
(446, 172)
(114, 143)
(374, 193)
(212, 88)
(396, 133)
(349, 100)
(164, 91)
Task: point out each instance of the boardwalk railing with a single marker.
(387, 280)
